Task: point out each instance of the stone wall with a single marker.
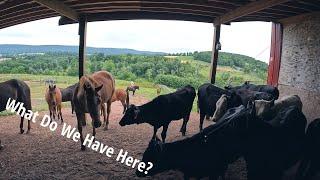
(300, 62)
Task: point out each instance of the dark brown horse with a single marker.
(91, 95)
(122, 96)
(54, 99)
(19, 91)
(67, 94)
(133, 89)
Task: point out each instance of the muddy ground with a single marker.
(43, 154)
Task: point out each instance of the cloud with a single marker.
(251, 39)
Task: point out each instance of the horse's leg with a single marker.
(124, 106)
(164, 132)
(50, 111)
(108, 112)
(80, 119)
(21, 125)
(29, 126)
(72, 108)
(184, 125)
(103, 110)
(60, 114)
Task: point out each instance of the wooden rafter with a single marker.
(60, 7)
(247, 9)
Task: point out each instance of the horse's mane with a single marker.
(86, 81)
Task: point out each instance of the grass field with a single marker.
(38, 88)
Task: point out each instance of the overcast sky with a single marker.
(249, 38)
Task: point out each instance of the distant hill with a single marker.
(243, 62)
(12, 49)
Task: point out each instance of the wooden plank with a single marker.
(215, 54)
(247, 9)
(59, 7)
(82, 43)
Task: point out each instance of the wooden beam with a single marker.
(215, 53)
(60, 7)
(82, 43)
(247, 9)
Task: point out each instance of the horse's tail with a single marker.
(127, 98)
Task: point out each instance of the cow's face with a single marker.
(93, 103)
(262, 107)
(130, 116)
(263, 96)
(153, 155)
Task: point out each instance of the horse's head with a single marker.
(93, 101)
(152, 155)
(52, 94)
(130, 116)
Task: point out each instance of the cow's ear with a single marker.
(136, 112)
(252, 106)
(99, 88)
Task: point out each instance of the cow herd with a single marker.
(249, 121)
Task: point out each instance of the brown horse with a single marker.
(91, 95)
(122, 96)
(54, 99)
(19, 91)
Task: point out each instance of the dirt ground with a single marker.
(43, 154)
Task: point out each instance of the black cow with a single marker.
(208, 95)
(207, 153)
(310, 165)
(260, 88)
(162, 110)
(67, 94)
(276, 146)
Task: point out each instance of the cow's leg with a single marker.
(21, 125)
(155, 129)
(80, 119)
(201, 121)
(164, 132)
(133, 92)
(184, 125)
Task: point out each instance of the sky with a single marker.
(247, 38)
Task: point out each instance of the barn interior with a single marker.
(294, 58)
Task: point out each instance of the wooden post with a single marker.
(275, 54)
(215, 53)
(82, 43)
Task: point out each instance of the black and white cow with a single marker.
(162, 110)
(208, 95)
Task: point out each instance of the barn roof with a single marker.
(13, 12)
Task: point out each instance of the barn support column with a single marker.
(82, 43)
(215, 52)
(275, 54)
